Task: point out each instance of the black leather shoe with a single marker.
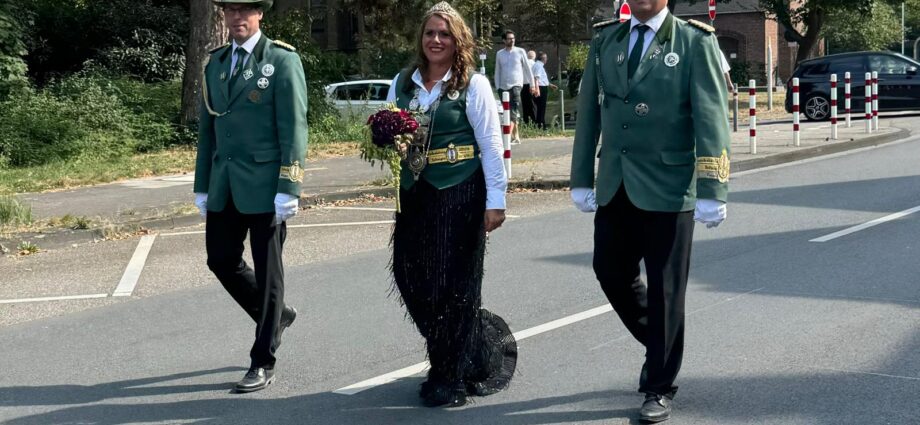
(436, 394)
(656, 408)
(256, 379)
(288, 315)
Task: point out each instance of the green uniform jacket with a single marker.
(665, 133)
(252, 137)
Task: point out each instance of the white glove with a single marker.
(285, 207)
(584, 199)
(201, 201)
(710, 211)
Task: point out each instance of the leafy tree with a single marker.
(12, 49)
(846, 31)
(558, 21)
(805, 24)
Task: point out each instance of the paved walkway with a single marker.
(166, 201)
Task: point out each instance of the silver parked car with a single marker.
(358, 99)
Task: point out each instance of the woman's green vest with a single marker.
(450, 126)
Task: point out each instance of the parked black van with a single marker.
(898, 83)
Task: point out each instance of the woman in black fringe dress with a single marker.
(452, 194)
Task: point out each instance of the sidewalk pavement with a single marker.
(166, 202)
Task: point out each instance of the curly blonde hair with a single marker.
(464, 59)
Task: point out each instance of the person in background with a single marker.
(528, 99)
(539, 73)
(511, 73)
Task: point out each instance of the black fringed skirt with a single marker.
(438, 251)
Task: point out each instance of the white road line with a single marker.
(361, 209)
(355, 223)
(423, 366)
(883, 375)
(62, 298)
(297, 226)
(135, 267)
(866, 225)
(824, 157)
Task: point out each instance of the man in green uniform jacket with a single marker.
(653, 93)
(251, 146)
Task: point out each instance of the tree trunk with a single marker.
(206, 31)
(814, 21)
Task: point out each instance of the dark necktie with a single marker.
(238, 68)
(635, 55)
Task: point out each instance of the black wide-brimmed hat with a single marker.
(264, 4)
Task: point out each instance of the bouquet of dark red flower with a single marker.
(390, 125)
(391, 131)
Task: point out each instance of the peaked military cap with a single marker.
(264, 4)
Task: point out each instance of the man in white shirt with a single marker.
(543, 85)
(511, 72)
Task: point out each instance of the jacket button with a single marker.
(229, 158)
(228, 134)
(625, 126)
(626, 101)
(623, 151)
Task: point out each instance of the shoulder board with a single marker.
(602, 24)
(700, 25)
(214, 50)
(284, 45)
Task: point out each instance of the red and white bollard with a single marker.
(868, 102)
(846, 96)
(834, 106)
(874, 101)
(752, 94)
(506, 131)
(795, 112)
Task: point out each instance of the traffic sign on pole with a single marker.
(712, 10)
(625, 12)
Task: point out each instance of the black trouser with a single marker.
(541, 106)
(261, 291)
(654, 314)
(527, 105)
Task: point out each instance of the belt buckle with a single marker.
(452, 155)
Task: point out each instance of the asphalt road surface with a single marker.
(799, 312)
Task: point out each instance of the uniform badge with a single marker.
(268, 70)
(255, 96)
(262, 83)
(641, 109)
(452, 154)
(453, 95)
(671, 59)
(223, 76)
(295, 173)
(247, 74)
(620, 58)
(655, 54)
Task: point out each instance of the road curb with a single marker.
(66, 237)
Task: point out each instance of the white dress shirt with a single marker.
(654, 24)
(248, 46)
(539, 73)
(482, 113)
(511, 69)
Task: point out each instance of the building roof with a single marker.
(701, 7)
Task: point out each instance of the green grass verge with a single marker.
(13, 212)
